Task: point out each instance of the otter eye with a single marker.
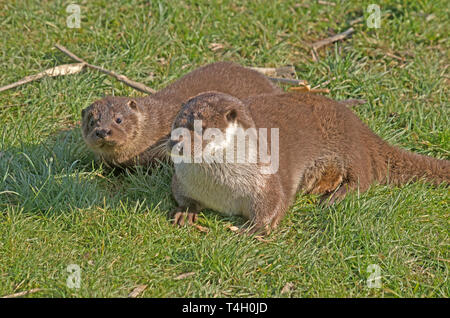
(118, 120)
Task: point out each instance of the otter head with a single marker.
(110, 124)
(207, 125)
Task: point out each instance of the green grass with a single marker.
(58, 208)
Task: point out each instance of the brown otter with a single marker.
(324, 148)
(126, 131)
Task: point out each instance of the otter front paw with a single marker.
(256, 230)
(179, 217)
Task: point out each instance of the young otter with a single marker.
(126, 131)
(323, 148)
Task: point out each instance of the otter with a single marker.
(125, 132)
(323, 148)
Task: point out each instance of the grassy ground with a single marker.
(59, 208)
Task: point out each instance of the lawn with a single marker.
(58, 207)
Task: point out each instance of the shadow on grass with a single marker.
(59, 176)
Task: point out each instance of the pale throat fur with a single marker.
(222, 186)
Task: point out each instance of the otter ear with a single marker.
(231, 115)
(133, 105)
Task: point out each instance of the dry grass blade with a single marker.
(233, 228)
(262, 239)
(139, 289)
(443, 260)
(337, 37)
(216, 46)
(287, 288)
(353, 102)
(201, 228)
(184, 275)
(326, 3)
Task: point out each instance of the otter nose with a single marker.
(102, 133)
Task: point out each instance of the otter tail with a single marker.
(404, 166)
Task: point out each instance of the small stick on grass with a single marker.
(122, 78)
(51, 72)
(337, 37)
(357, 20)
(24, 293)
(280, 72)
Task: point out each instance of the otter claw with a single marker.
(180, 217)
(253, 230)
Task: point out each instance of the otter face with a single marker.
(110, 123)
(207, 124)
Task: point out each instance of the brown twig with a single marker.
(139, 86)
(35, 290)
(402, 59)
(284, 74)
(51, 72)
(357, 20)
(337, 37)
